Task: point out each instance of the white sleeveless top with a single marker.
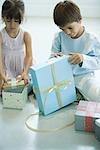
(13, 53)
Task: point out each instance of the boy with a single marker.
(82, 47)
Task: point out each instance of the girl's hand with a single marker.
(4, 78)
(25, 77)
(75, 58)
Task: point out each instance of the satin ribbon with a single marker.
(47, 130)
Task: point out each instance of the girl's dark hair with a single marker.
(13, 9)
(66, 12)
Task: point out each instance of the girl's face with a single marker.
(12, 25)
(74, 30)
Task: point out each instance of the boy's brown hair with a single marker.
(66, 12)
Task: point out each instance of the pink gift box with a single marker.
(86, 114)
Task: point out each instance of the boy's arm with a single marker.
(91, 60)
(56, 46)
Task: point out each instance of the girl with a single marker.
(15, 43)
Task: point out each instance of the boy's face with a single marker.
(74, 30)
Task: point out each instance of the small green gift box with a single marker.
(14, 97)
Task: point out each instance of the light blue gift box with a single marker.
(53, 84)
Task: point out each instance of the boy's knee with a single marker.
(94, 94)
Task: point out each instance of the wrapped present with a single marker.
(97, 129)
(86, 114)
(14, 96)
(53, 84)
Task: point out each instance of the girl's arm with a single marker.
(2, 74)
(28, 57)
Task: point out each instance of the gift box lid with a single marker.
(97, 122)
(49, 62)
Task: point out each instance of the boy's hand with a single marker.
(75, 58)
(57, 54)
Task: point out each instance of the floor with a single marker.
(14, 135)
